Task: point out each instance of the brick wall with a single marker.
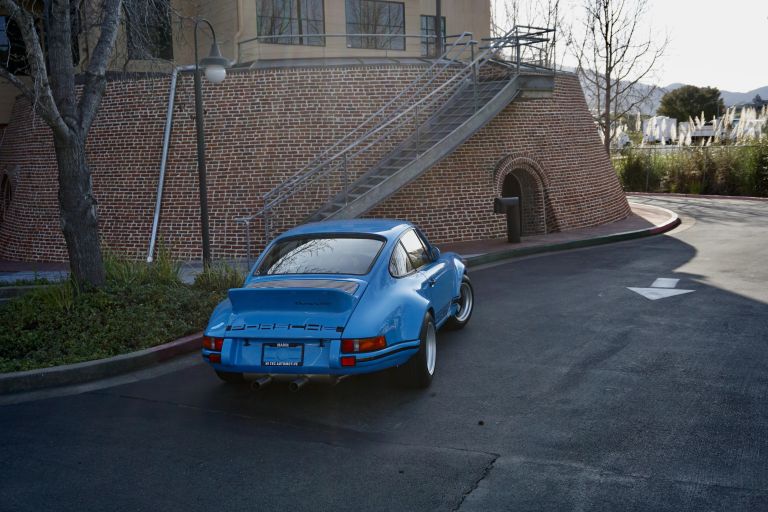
(264, 125)
(552, 141)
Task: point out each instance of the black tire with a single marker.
(466, 305)
(419, 370)
(231, 377)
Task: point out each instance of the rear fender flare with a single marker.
(220, 318)
(397, 318)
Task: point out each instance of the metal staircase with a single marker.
(448, 103)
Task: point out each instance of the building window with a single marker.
(13, 55)
(148, 25)
(375, 17)
(294, 21)
(428, 45)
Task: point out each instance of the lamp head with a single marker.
(215, 65)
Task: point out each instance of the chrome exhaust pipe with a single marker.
(297, 384)
(338, 379)
(261, 383)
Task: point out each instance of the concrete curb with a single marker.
(78, 373)
(694, 196)
(492, 257)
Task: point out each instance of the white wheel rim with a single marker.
(431, 347)
(466, 301)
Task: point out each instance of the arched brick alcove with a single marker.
(520, 175)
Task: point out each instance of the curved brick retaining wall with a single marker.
(262, 126)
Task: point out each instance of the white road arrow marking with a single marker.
(665, 282)
(661, 289)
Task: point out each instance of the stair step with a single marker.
(445, 121)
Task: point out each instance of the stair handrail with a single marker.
(296, 183)
(323, 160)
(446, 61)
(349, 152)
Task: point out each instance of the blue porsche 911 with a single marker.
(338, 298)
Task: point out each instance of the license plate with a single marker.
(282, 354)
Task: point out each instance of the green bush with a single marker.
(219, 277)
(163, 270)
(141, 306)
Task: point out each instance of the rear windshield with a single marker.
(321, 255)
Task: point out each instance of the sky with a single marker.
(714, 43)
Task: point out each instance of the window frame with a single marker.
(428, 43)
(427, 256)
(361, 42)
(301, 37)
(408, 263)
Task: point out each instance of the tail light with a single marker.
(348, 361)
(215, 358)
(356, 345)
(213, 343)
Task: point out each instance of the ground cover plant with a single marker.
(715, 170)
(139, 307)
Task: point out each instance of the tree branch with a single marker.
(42, 99)
(95, 79)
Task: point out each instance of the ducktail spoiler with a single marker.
(310, 301)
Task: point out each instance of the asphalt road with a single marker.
(567, 391)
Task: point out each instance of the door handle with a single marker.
(432, 282)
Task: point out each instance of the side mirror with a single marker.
(434, 253)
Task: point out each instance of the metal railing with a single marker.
(459, 66)
(522, 38)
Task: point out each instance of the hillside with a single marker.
(654, 100)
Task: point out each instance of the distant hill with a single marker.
(654, 100)
(730, 98)
(737, 98)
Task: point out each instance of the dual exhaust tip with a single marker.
(294, 385)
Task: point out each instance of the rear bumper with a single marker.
(319, 358)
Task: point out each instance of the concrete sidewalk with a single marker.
(12, 271)
(645, 220)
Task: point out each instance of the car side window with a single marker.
(417, 254)
(399, 264)
(424, 242)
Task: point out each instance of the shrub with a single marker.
(219, 277)
(123, 272)
(141, 306)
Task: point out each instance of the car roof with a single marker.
(388, 228)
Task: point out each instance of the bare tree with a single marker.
(66, 92)
(613, 57)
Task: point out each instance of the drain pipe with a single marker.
(164, 158)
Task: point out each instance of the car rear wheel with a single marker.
(466, 305)
(231, 377)
(419, 370)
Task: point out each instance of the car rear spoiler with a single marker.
(313, 301)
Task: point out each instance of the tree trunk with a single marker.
(77, 207)
(607, 115)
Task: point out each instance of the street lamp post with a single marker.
(215, 71)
